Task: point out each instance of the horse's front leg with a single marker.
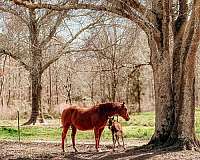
(98, 133)
(73, 137)
(64, 132)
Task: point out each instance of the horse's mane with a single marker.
(107, 108)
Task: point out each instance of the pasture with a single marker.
(43, 141)
(140, 126)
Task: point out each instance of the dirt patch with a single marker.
(52, 150)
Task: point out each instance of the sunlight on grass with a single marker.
(140, 126)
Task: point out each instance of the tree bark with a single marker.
(163, 102)
(36, 71)
(36, 97)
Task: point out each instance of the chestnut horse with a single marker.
(94, 118)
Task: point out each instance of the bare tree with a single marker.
(42, 30)
(173, 35)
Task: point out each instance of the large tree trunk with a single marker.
(174, 98)
(183, 133)
(36, 98)
(163, 102)
(36, 72)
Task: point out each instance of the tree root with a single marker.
(177, 144)
(33, 120)
(30, 121)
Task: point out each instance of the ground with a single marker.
(52, 150)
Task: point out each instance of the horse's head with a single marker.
(123, 111)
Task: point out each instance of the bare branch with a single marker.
(4, 52)
(141, 9)
(53, 30)
(182, 16)
(193, 28)
(55, 58)
(144, 24)
(13, 12)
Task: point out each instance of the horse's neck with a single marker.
(108, 111)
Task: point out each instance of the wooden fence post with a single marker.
(18, 124)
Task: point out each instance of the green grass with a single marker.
(140, 126)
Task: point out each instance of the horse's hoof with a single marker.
(98, 150)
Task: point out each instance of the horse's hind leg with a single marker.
(64, 132)
(73, 137)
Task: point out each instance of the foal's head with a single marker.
(110, 122)
(123, 111)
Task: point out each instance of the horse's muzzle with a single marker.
(128, 118)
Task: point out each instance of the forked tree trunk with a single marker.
(183, 133)
(175, 113)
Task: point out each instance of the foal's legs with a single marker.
(117, 138)
(114, 140)
(64, 132)
(123, 141)
(73, 137)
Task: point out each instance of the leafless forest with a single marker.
(106, 59)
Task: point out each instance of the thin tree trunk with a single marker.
(50, 90)
(138, 92)
(57, 96)
(2, 81)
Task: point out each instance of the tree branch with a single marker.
(142, 10)
(193, 30)
(4, 52)
(67, 44)
(13, 12)
(53, 30)
(182, 15)
(144, 24)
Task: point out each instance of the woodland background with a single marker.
(109, 65)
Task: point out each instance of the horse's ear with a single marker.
(123, 104)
